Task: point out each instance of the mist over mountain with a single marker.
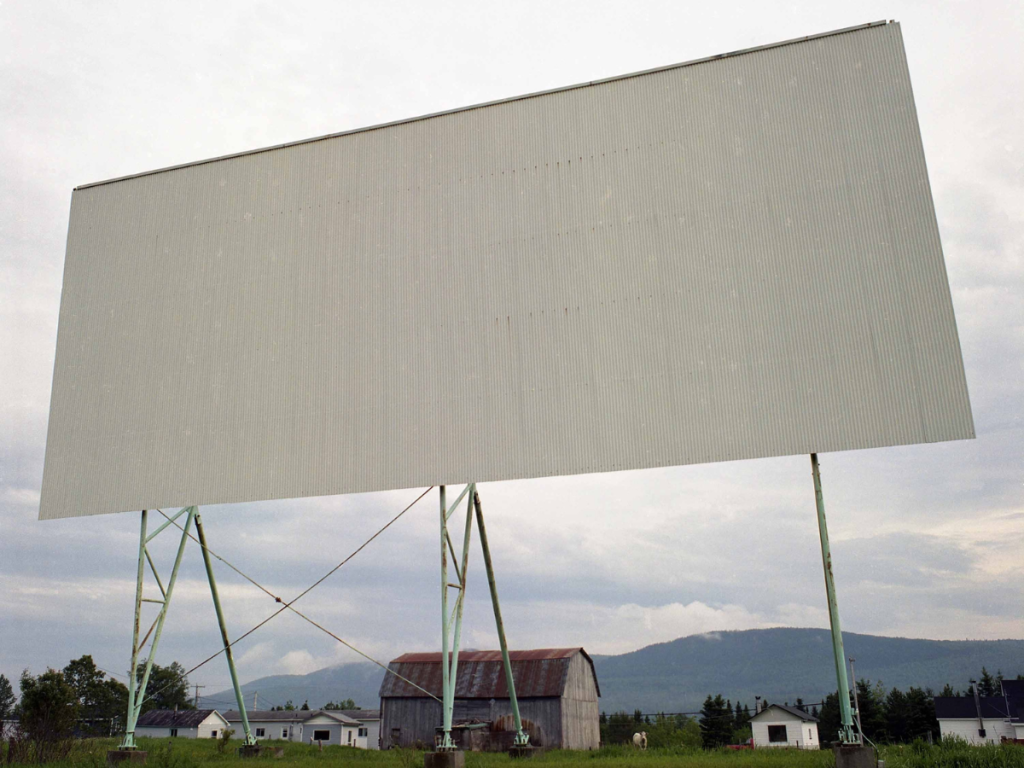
(778, 664)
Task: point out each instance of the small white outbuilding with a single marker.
(780, 726)
(181, 724)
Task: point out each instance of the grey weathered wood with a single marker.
(566, 721)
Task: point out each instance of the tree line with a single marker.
(81, 699)
(891, 716)
(717, 724)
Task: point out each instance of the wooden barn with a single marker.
(556, 687)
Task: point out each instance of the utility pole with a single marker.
(197, 694)
(255, 701)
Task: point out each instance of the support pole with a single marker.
(453, 676)
(846, 735)
(249, 740)
(129, 731)
(447, 699)
(521, 739)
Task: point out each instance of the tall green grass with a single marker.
(191, 753)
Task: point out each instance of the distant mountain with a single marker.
(783, 664)
(359, 681)
(778, 664)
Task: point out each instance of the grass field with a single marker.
(188, 753)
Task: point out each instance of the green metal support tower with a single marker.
(137, 687)
(451, 622)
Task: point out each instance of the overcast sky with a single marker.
(928, 540)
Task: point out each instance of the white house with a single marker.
(317, 725)
(988, 721)
(780, 726)
(369, 734)
(181, 724)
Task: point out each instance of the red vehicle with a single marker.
(748, 744)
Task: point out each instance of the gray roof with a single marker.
(728, 259)
(289, 715)
(362, 715)
(791, 710)
(171, 718)
(964, 707)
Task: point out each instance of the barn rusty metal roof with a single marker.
(537, 673)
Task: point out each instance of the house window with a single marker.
(260, 733)
(810, 736)
(364, 732)
(777, 734)
(213, 734)
(321, 735)
(174, 732)
(349, 732)
(284, 733)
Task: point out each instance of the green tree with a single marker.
(987, 684)
(898, 717)
(102, 702)
(305, 706)
(167, 688)
(922, 714)
(619, 728)
(690, 734)
(49, 712)
(829, 719)
(343, 704)
(871, 700)
(715, 722)
(947, 690)
(6, 698)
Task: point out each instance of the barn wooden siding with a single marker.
(557, 702)
(581, 728)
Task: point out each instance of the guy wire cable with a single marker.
(288, 605)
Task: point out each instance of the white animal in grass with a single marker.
(640, 740)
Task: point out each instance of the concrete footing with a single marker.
(131, 756)
(855, 756)
(451, 759)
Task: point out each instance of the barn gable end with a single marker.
(556, 688)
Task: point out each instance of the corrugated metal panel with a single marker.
(481, 674)
(730, 259)
(186, 718)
